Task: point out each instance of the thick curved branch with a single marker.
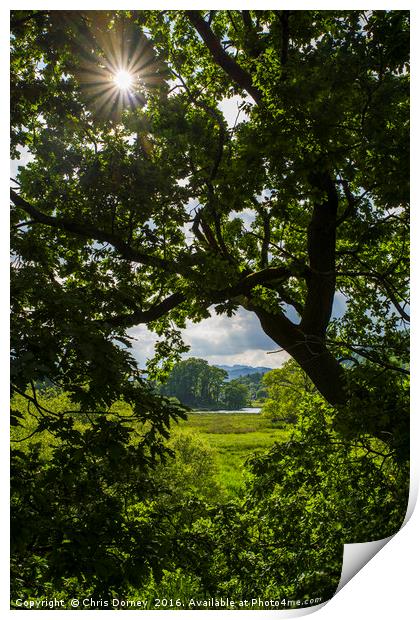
(86, 230)
(226, 62)
(243, 287)
(146, 316)
(260, 278)
(311, 354)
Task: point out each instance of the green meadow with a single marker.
(229, 439)
(233, 437)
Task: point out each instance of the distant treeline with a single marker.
(195, 383)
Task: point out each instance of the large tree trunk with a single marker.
(306, 342)
(309, 352)
(328, 376)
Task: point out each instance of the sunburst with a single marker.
(123, 79)
(119, 67)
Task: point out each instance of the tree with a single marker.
(305, 498)
(236, 395)
(195, 383)
(319, 157)
(80, 502)
(286, 387)
(333, 490)
(254, 384)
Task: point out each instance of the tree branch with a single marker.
(284, 19)
(360, 350)
(311, 354)
(252, 40)
(243, 287)
(386, 285)
(261, 277)
(266, 239)
(146, 316)
(86, 230)
(217, 116)
(352, 202)
(226, 62)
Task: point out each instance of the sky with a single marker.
(219, 340)
(17, 163)
(223, 340)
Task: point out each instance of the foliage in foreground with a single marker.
(95, 515)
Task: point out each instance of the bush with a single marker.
(192, 472)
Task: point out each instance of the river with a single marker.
(244, 410)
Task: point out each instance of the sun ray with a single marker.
(118, 67)
(104, 103)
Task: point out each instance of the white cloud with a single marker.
(339, 305)
(225, 340)
(220, 340)
(143, 344)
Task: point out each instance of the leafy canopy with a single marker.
(149, 207)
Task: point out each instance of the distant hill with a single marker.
(240, 371)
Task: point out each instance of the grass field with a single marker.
(234, 437)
